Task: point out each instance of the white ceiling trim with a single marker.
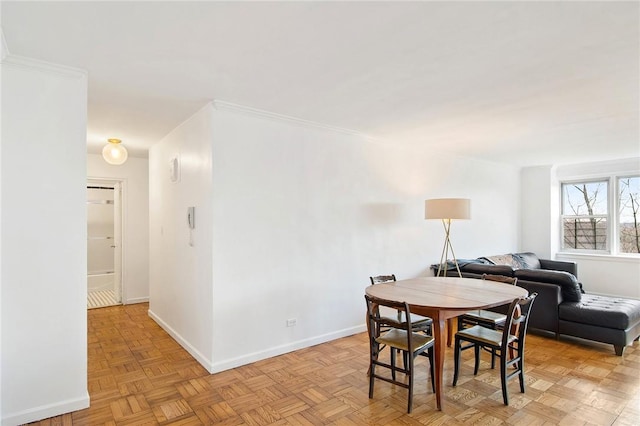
(229, 106)
(44, 66)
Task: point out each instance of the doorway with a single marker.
(104, 243)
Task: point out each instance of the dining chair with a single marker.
(397, 335)
(508, 344)
(419, 323)
(487, 318)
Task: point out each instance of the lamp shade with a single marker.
(447, 208)
(114, 153)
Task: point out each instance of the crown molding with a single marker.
(44, 66)
(229, 106)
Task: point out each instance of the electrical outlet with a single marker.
(291, 322)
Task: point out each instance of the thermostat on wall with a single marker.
(174, 169)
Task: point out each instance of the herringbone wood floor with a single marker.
(138, 375)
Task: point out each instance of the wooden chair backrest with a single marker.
(500, 279)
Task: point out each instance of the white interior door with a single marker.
(117, 241)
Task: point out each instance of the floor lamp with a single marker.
(447, 209)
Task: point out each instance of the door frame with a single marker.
(91, 180)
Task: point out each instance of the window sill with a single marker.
(629, 258)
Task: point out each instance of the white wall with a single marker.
(3, 54)
(535, 205)
(611, 276)
(180, 258)
(303, 215)
(540, 199)
(44, 326)
(135, 208)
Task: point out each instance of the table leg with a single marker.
(438, 355)
(452, 328)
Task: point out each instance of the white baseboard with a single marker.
(136, 300)
(46, 411)
(206, 363)
(216, 367)
(283, 349)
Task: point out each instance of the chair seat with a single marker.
(488, 318)
(483, 336)
(398, 339)
(419, 319)
(420, 323)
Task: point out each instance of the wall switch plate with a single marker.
(291, 322)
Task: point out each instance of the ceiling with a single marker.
(528, 83)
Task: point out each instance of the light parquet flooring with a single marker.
(138, 375)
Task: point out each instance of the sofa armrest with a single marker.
(544, 312)
(559, 265)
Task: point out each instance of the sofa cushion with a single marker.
(509, 259)
(569, 287)
(479, 268)
(528, 260)
(603, 311)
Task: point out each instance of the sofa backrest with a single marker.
(569, 286)
(529, 260)
(480, 268)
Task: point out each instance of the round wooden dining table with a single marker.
(443, 298)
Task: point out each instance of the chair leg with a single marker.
(372, 369)
(431, 369)
(493, 358)
(456, 361)
(476, 350)
(371, 378)
(521, 369)
(503, 376)
(410, 370)
(393, 363)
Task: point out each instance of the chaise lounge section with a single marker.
(562, 306)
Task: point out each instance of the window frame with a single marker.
(607, 216)
(612, 217)
(617, 225)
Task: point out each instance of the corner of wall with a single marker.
(4, 49)
(554, 211)
(199, 356)
(537, 209)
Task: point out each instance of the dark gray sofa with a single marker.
(562, 307)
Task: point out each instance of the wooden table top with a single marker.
(451, 293)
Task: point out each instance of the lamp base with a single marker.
(445, 251)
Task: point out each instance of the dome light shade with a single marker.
(114, 153)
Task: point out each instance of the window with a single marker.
(628, 207)
(585, 215)
(588, 218)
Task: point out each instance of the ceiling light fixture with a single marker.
(114, 153)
